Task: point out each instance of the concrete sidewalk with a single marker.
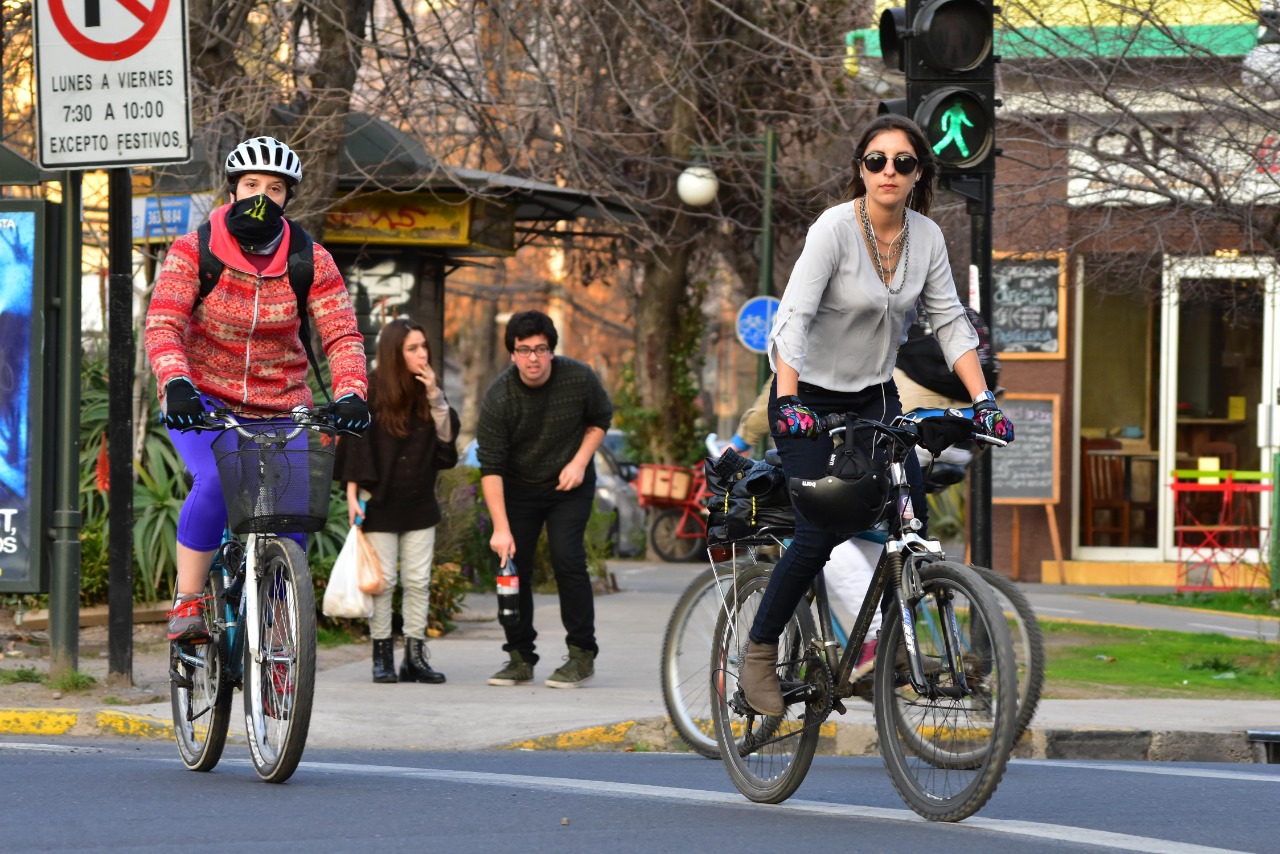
(622, 707)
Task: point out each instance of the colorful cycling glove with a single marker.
(796, 418)
(990, 420)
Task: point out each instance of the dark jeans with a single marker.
(811, 548)
(565, 516)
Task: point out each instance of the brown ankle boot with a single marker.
(759, 679)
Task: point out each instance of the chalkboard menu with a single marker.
(1028, 300)
(1026, 471)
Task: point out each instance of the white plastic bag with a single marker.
(343, 596)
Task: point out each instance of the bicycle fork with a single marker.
(910, 593)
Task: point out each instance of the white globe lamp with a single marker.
(697, 186)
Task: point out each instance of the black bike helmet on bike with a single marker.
(851, 498)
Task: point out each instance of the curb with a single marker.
(83, 722)
(657, 735)
(839, 739)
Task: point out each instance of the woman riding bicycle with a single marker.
(834, 342)
(238, 345)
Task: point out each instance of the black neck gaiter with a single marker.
(255, 222)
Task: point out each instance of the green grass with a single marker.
(71, 680)
(331, 636)
(1233, 601)
(22, 674)
(1118, 662)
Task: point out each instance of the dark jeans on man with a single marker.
(807, 458)
(565, 516)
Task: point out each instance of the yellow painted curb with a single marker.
(577, 739)
(133, 725)
(38, 721)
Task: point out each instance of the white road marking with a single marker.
(1157, 769)
(1040, 609)
(1035, 830)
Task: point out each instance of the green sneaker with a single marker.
(577, 670)
(518, 671)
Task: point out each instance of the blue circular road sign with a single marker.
(755, 319)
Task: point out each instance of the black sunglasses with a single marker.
(905, 164)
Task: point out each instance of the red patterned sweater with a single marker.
(241, 344)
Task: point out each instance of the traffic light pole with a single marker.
(979, 193)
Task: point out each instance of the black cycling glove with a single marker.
(182, 406)
(350, 413)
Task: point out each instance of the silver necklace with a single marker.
(869, 232)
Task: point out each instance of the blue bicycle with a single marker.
(261, 612)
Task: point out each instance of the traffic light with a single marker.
(944, 47)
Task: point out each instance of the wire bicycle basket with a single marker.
(273, 480)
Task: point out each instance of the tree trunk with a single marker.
(657, 325)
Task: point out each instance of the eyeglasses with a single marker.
(905, 164)
(541, 351)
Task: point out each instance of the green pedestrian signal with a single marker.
(958, 125)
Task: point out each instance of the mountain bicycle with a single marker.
(685, 671)
(945, 687)
(261, 612)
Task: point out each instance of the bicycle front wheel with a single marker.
(666, 535)
(946, 742)
(767, 756)
(1028, 644)
(280, 676)
(686, 677)
(200, 694)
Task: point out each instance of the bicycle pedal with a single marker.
(838, 706)
(180, 680)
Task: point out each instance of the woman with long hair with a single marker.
(834, 343)
(393, 468)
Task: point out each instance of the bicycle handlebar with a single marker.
(908, 432)
(223, 418)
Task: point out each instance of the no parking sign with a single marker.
(112, 83)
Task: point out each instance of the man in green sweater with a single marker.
(540, 424)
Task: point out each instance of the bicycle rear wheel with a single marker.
(665, 534)
(946, 743)
(767, 757)
(1028, 644)
(280, 679)
(686, 677)
(200, 694)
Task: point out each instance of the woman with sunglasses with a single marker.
(834, 343)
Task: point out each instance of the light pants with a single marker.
(413, 552)
(848, 575)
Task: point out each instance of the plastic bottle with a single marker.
(508, 593)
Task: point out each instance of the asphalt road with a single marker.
(1052, 602)
(135, 796)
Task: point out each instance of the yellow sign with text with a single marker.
(482, 226)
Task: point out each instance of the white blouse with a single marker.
(837, 323)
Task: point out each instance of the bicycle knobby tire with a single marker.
(946, 746)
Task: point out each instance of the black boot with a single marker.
(415, 668)
(384, 660)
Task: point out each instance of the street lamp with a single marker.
(697, 187)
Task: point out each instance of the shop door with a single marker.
(1218, 364)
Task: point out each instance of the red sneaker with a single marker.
(186, 620)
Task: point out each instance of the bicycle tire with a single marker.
(667, 543)
(202, 713)
(686, 678)
(767, 757)
(946, 755)
(1028, 645)
(278, 692)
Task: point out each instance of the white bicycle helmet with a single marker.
(263, 154)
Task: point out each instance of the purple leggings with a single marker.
(204, 514)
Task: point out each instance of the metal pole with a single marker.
(766, 236)
(64, 586)
(120, 430)
(980, 214)
(1274, 550)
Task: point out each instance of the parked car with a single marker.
(614, 493)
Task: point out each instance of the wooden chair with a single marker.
(1103, 492)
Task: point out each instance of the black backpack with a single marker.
(920, 358)
(301, 273)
